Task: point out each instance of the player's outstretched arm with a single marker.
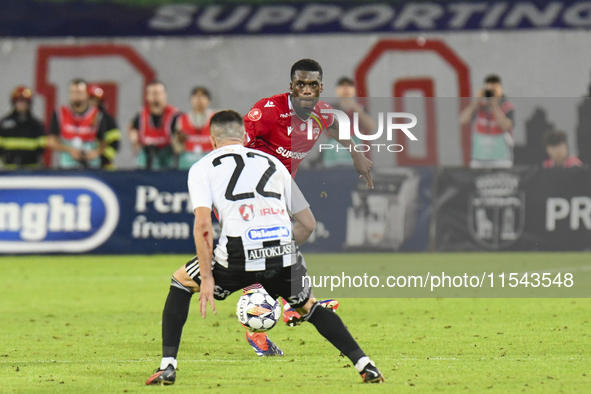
(203, 234)
(362, 164)
(305, 223)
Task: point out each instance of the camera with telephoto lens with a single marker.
(489, 93)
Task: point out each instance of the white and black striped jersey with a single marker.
(252, 193)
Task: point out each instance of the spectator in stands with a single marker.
(191, 140)
(555, 143)
(22, 136)
(112, 133)
(492, 115)
(346, 92)
(78, 130)
(152, 129)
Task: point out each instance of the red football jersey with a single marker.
(273, 127)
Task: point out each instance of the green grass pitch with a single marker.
(92, 325)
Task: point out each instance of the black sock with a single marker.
(174, 317)
(331, 327)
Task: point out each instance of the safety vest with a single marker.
(197, 137)
(488, 140)
(149, 134)
(75, 126)
(486, 122)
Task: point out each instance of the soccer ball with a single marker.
(258, 311)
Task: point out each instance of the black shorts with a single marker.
(286, 282)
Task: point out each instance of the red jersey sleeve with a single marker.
(260, 120)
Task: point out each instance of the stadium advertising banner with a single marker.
(524, 208)
(96, 18)
(142, 212)
(92, 212)
(394, 216)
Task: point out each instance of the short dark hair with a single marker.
(345, 81)
(78, 81)
(156, 82)
(226, 116)
(305, 65)
(492, 78)
(554, 138)
(201, 89)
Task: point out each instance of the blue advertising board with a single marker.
(29, 18)
(142, 212)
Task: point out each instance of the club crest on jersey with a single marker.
(258, 234)
(255, 114)
(246, 211)
(319, 119)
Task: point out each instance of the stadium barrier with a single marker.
(410, 209)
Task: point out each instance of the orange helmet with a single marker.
(21, 92)
(95, 91)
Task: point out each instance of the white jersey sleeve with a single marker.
(199, 187)
(296, 200)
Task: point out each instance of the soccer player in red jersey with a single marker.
(278, 125)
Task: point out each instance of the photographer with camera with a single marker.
(492, 115)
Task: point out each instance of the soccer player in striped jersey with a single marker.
(230, 178)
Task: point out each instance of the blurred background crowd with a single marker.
(84, 134)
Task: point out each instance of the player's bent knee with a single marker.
(185, 280)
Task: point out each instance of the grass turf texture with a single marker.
(91, 325)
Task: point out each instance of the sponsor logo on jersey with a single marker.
(287, 115)
(246, 211)
(292, 155)
(269, 104)
(55, 214)
(271, 251)
(289, 130)
(259, 234)
(255, 114)
(271, 211)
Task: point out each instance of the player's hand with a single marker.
(206, 295)
(363, 166)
